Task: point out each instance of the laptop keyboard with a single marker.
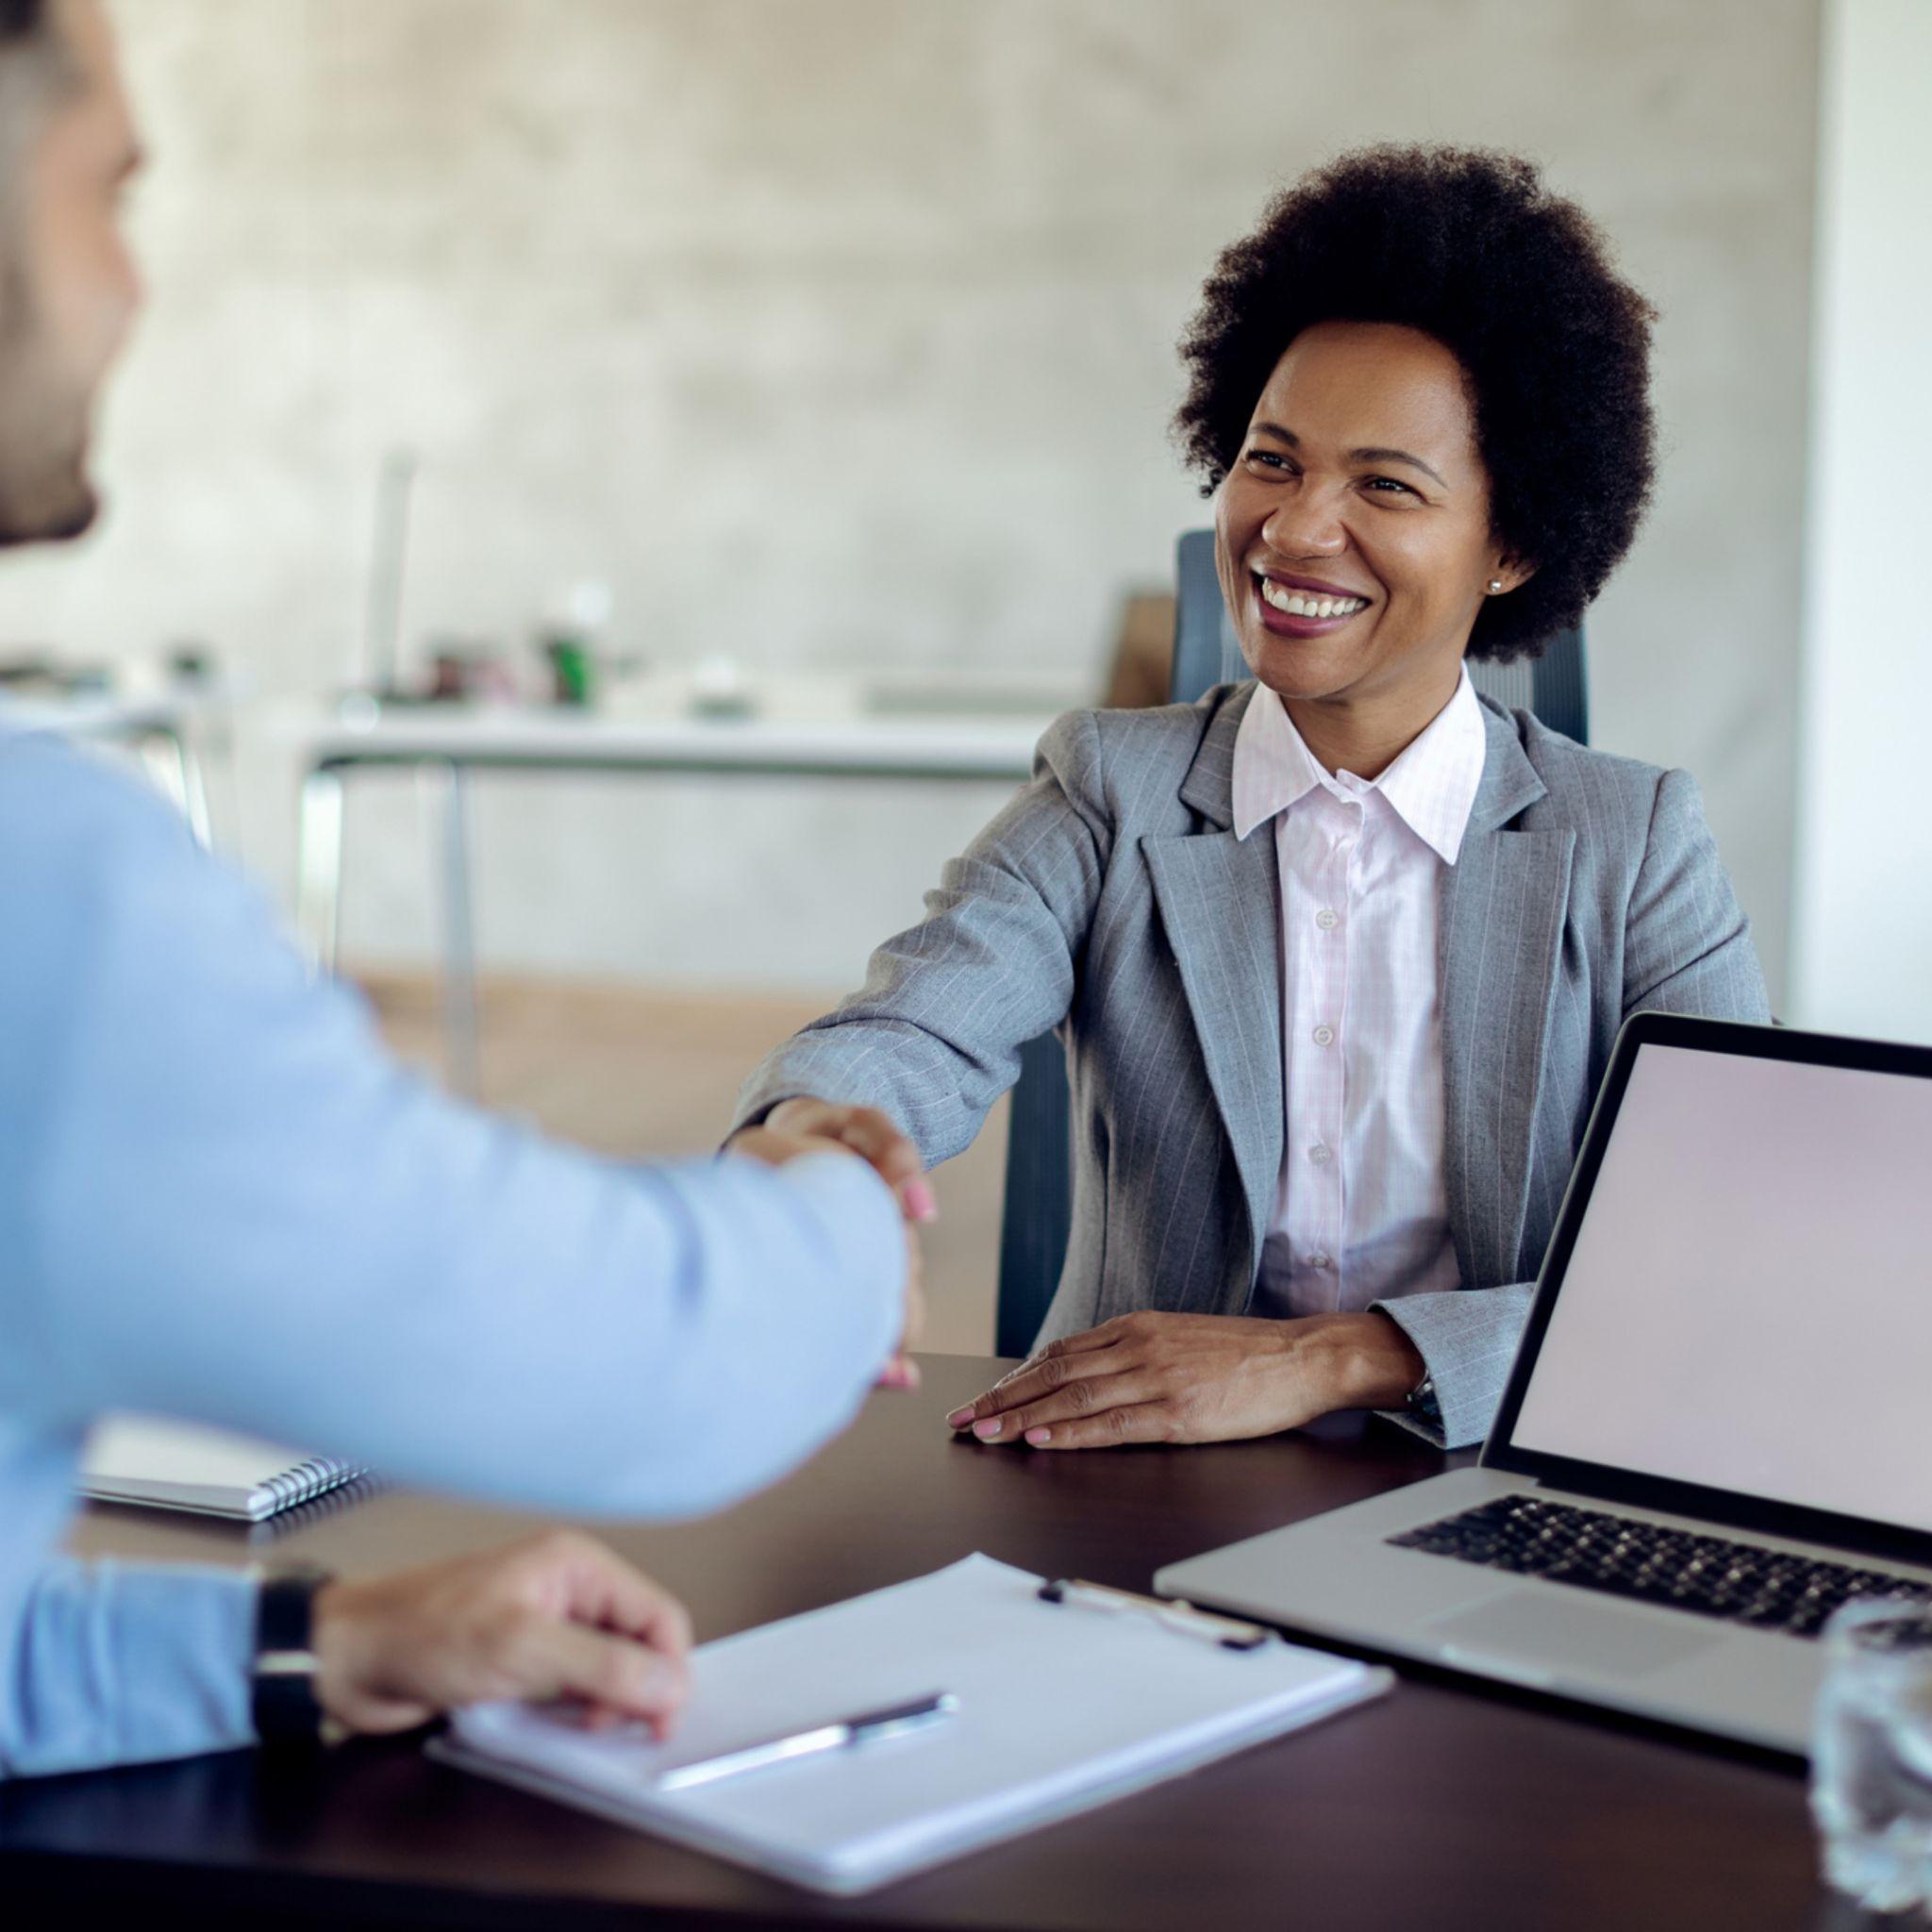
(1742, 1582)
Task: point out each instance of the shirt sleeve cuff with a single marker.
(125, 1664)
(1458, 1413)
(1421, 1424)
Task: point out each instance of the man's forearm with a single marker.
(312, 1244)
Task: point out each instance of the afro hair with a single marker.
(1469, 247)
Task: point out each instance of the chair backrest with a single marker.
(1038, 1213)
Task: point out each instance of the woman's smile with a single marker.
(1298, 607)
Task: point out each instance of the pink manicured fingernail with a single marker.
(920, 1203)
(987, 1430)
(1039, 1436)
(960, 1418)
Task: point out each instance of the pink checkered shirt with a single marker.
(1360, 1215)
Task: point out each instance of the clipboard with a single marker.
(1132, 1703)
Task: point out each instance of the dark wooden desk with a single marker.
(1444, 1807)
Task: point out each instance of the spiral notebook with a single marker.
(1057, 1710)
(170, 1465)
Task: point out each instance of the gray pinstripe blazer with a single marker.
(1113, 900)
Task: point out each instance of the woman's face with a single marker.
(1353, 532)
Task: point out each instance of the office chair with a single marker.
(1039, 1211)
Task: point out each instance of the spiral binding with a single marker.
(307, 1481)
(301, 1516)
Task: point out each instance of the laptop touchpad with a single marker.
(1539, 1627)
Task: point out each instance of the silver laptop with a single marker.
(1719, 1425)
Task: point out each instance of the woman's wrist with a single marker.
(1373, 1362)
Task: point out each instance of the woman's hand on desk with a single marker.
(1194, 1378)
(557, 1617)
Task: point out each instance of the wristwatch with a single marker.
(282, 1700)
(1420, 1403)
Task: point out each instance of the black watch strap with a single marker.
(1422, 1406)
(283, 1703)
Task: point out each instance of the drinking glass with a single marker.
(1872, 1757)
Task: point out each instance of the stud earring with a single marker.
(1495, 585)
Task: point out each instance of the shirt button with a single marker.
(1327, 919)
(1318, 1259)
(1321, 1155)
(1324, 1036)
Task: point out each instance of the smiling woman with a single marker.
(1549, 346)
(1360, 464)
(1338, 954)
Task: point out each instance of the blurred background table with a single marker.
(826, 728)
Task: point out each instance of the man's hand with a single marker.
(810, 1126)
(558, 1617)
(1194, 1378)
(868, 1133)
(902, 1372)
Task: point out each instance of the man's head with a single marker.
(68, 289)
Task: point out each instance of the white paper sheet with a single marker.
(1061, 1709)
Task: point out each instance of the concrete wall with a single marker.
(1863, 952)
(839, 332)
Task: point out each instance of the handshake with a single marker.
(797, 1127)
(560, 1616)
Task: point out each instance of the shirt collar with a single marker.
(1431, 784)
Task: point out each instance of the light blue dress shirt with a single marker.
(220, 1199)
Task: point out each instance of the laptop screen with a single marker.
(1748, 1302)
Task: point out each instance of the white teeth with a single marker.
(1300, 603)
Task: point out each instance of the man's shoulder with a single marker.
(108, 867)
(67, 809)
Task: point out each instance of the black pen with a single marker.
(1230, 1633)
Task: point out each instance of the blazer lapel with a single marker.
(1220, 901)
(1501, 933)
